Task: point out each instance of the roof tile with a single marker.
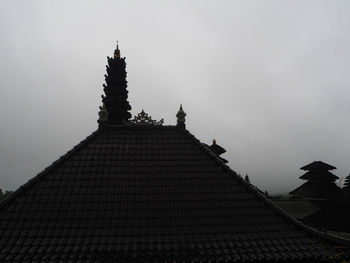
(149, 192)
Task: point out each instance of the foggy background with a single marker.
(269, 80)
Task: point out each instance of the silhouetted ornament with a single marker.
(218, 150)
(103, 116)
(143, 119)
(117, 52)
(181, 118)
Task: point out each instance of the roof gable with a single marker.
(148, 192)
(318, 165)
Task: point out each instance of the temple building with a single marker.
(320, 182)
(319, 203)
(137, 190)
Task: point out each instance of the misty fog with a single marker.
(269, 80)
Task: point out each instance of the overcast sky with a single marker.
(269, 80)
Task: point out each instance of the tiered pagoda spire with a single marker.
(320, 182)
(115, 101)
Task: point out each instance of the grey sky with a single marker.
(269, 80)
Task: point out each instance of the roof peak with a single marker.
(117, 52)
(317, 165)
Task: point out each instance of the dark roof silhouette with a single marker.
(333, 216)
(347, 183)
(313, 190)
(318, 165)
(217, 149)
(148, 193)
(320, 174)
(320, 182)
(297, 208)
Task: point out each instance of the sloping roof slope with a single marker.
(146, 194)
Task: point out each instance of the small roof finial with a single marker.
(103, 116)
(181, 118)
(117, 52)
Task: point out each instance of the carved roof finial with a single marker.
(144, 119)
(181, 118)
(103, 116)
(117, 52)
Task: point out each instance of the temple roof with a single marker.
(318, 165)
(148, 194)
(316, 190)
(138, 191)
(319, 175)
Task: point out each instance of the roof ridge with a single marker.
(255, 191)
(140, 127)
(41, 174)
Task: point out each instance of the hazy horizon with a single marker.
(269, 80)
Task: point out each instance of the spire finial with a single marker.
(181, 118)
(117, 52)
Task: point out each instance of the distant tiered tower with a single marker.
(116, 107)
(320, 182)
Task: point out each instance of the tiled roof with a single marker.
(321, 175)
(333, 216)
(318, 165)
(316, 190)
(297, 208)
(147, 194)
